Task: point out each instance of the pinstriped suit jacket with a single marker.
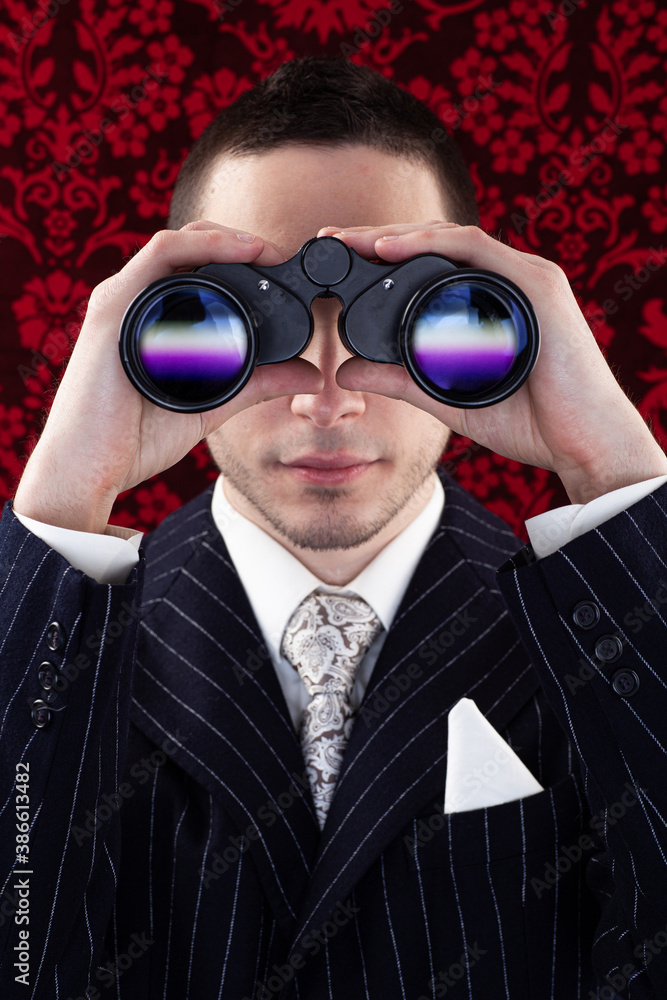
(174, 850)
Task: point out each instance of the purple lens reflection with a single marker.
(180, 352)
(193, 342)
(466, 337)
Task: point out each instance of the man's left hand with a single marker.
(570, 416)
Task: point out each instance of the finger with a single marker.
(286, 378)
(367, 240)
(359, 375)
(271, 254)
(381, 230)
(169, 250)
(199, 224)
(467, 245)
(397, 242)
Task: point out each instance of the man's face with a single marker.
(332, 470)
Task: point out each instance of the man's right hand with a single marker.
(102, 436)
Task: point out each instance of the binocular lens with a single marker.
(466, 336)
(192, 343)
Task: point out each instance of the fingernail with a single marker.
(246, 237)
(387, 238)
(348, 232)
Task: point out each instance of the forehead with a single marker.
(287, 194)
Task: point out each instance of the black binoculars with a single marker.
(468, 337)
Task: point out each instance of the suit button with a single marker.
(608, 648)
(47, 675)
(625, 682)
(55, 635)
(586, 614)
(40, 714)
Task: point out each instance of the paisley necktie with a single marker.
(325, 640)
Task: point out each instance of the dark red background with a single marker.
(72, 211)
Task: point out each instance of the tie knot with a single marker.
(326, 639)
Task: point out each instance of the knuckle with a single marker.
(203, 225)
(212, 237)
(422, 233)
(475, 234)
(159, 243)
(102, 293)
(554, 274)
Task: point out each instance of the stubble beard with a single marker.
(329, 528)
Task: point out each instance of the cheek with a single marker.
(411, 428)
(250, 430)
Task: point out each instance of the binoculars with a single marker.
(468, 337)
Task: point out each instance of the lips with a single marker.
(321, 462)
(330, 470)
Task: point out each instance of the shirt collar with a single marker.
(276, 582)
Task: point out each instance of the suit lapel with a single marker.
(450, 639)
(204, 678)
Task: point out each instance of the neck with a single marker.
(336, 567)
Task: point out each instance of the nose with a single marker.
(327, 352)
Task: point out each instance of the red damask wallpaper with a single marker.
(560, 107)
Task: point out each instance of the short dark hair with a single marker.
(325, 101)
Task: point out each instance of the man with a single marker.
(178, 846)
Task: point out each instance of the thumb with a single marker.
(370, 376)
(393, 381)
(286, 378)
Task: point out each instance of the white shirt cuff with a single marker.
(107, 558)
(549, 531)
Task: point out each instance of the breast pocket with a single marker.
(509, 830)
(515, 874)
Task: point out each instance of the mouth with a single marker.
(330, 470)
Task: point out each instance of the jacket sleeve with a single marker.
(67, 649)
(594, 618)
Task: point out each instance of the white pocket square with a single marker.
(482, 769)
